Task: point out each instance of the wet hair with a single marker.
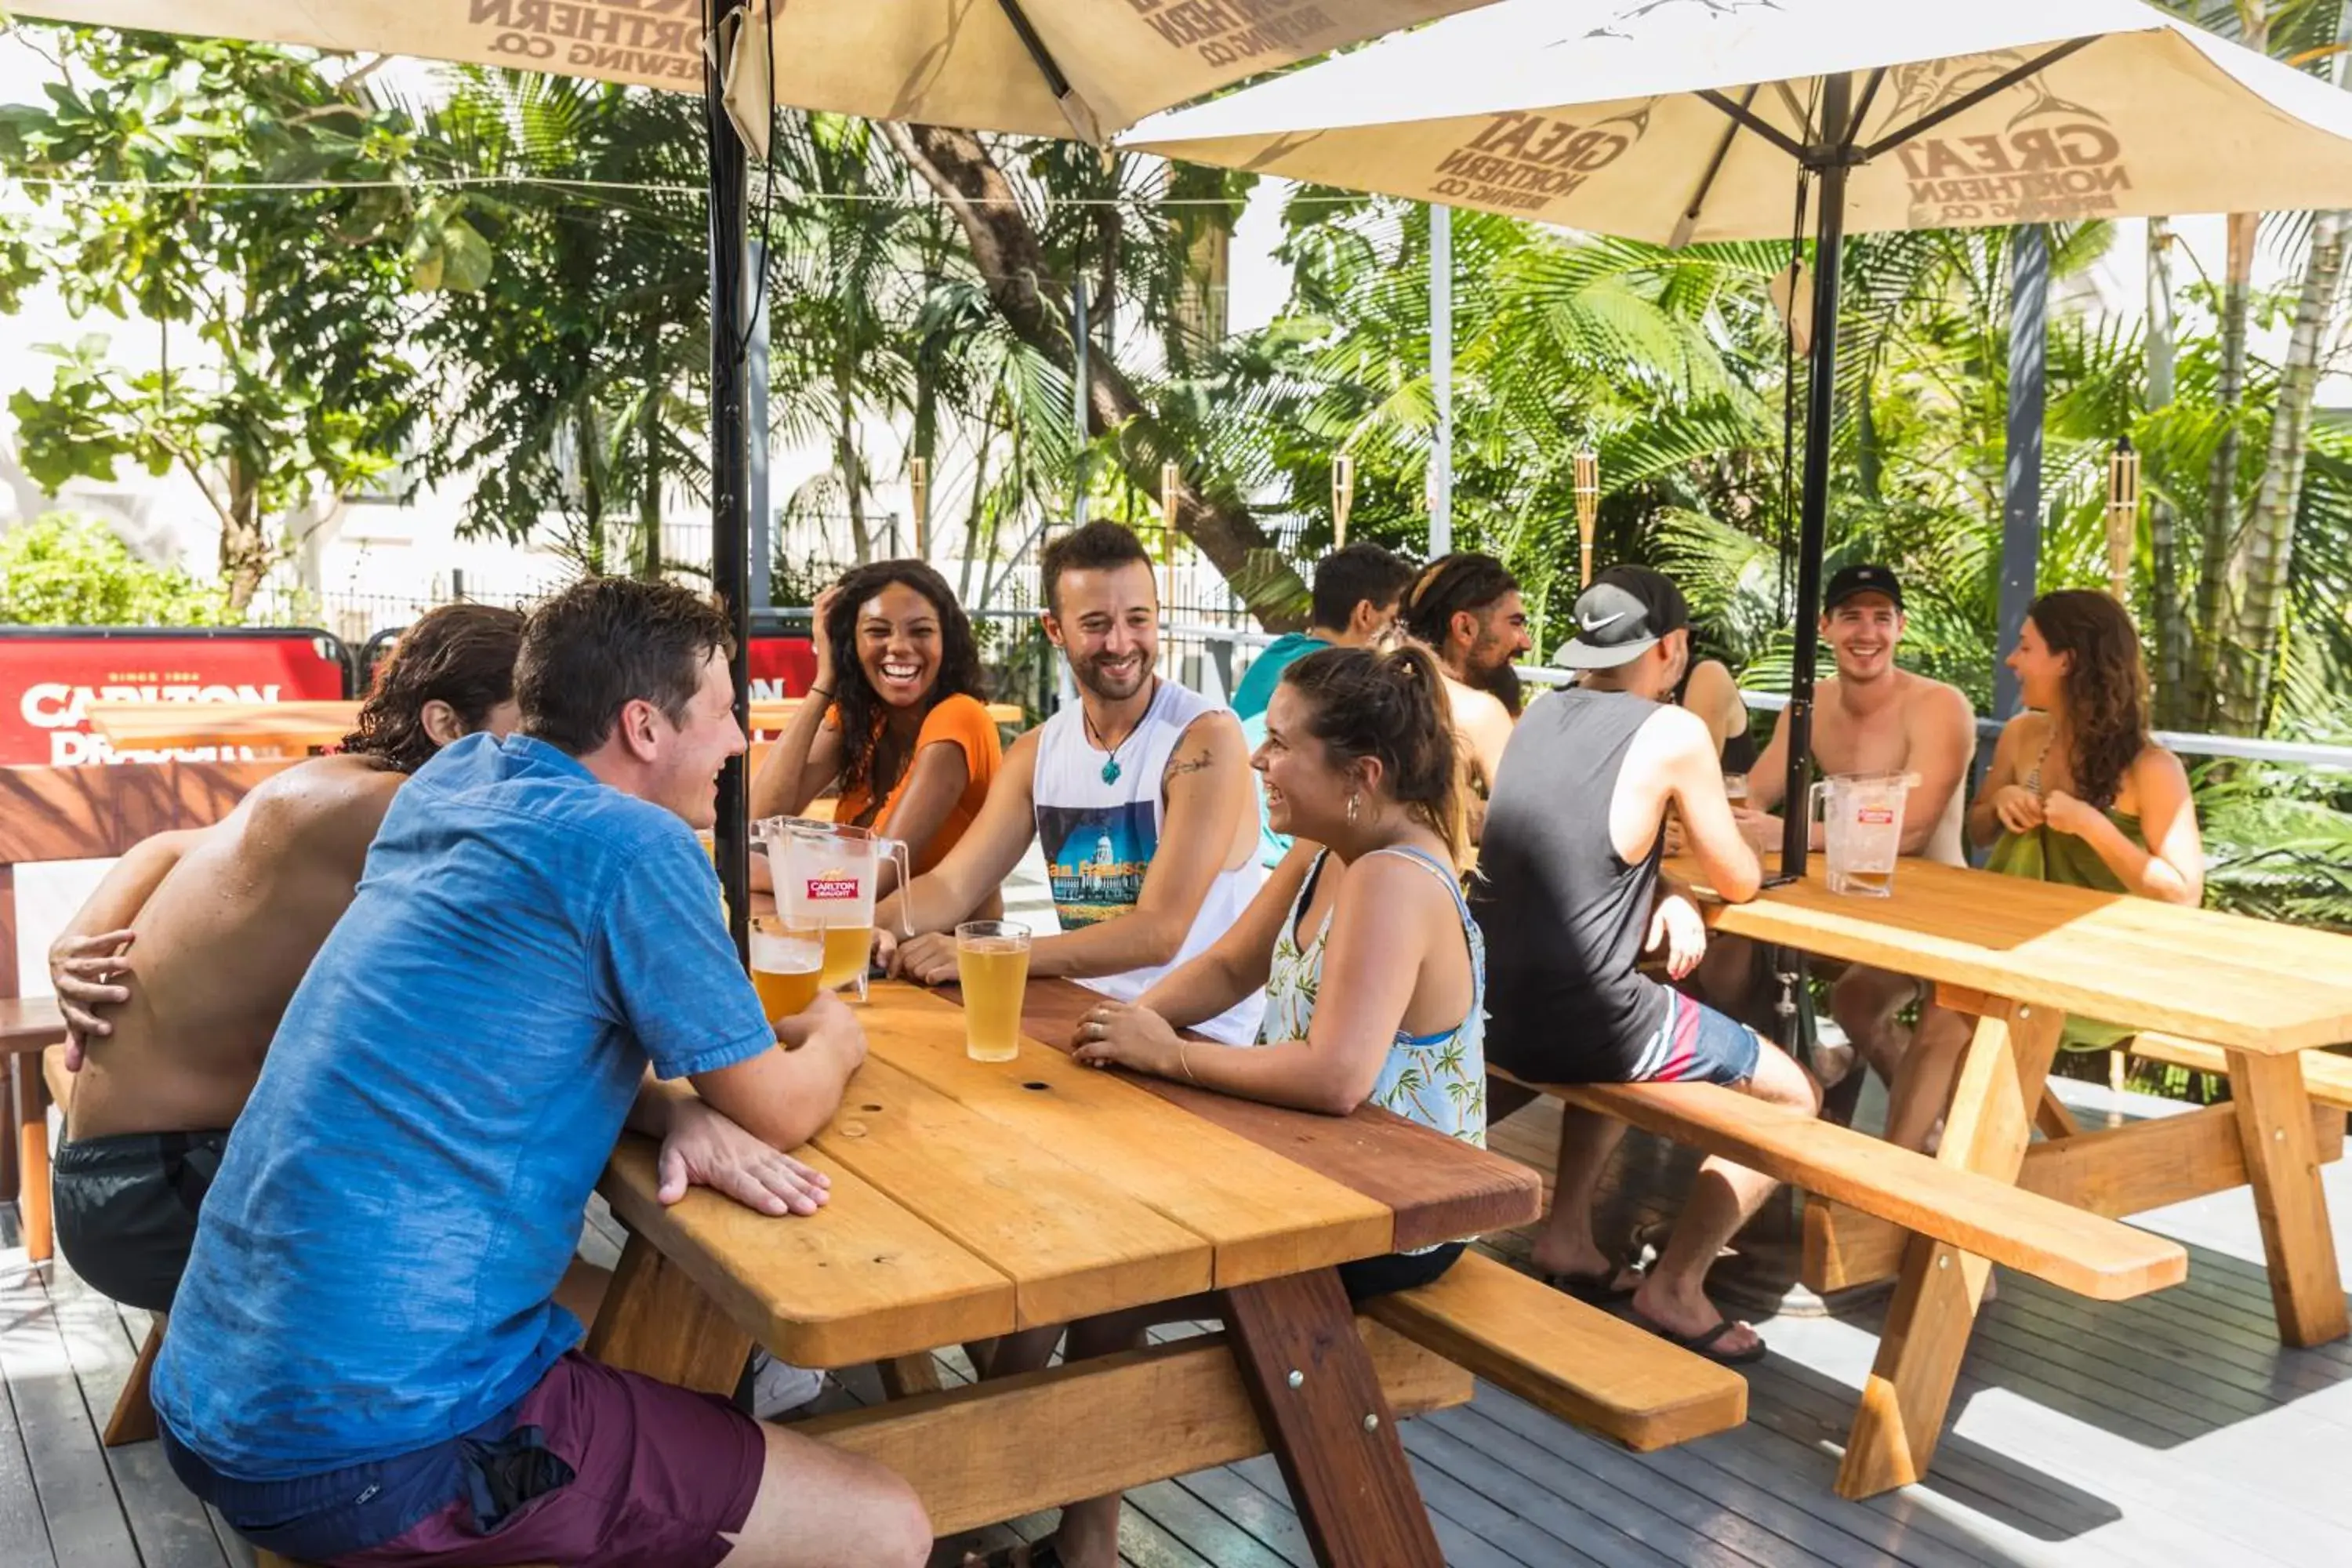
(1449, 585)
(1391, 706)
(607, 642)
(2105, 686)
(463, 655)
(862, 709)
(1097, 547)
(1360, 573)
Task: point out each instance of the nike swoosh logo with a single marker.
(1596, 626)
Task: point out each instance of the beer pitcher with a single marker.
(1863, 829)
(825, 875)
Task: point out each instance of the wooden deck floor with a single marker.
(2169, 1430)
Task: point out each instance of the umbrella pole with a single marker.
(731, 515)
(1828, 158)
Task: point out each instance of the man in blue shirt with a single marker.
(1358, 589)
(366, 1360)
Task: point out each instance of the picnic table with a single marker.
(2018, 955)
(311, 725)
(971, 1199)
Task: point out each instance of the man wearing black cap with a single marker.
(1566, 896)
(1875, 718)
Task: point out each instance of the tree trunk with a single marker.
(244, 547)
(1033, 303)
(592, 488)
(649, 481)
(2221, 516)
(2257, 599)
(2163, 522)
(845, 458)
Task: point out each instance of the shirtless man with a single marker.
(217, 924)
(1140, 793)
(1875, 718)
(1468, 610)
(173, 975)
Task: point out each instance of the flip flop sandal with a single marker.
(1703, 1344)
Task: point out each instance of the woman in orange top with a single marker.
(896, 724)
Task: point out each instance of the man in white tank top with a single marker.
(1875, 718)
(1141, 795)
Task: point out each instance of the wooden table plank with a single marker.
(2245, 984)
(1072, 1246)
(1466, 1193)
(306, 724)
(1264, 1216)
(861, 1279)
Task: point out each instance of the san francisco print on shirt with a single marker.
(1096, 856)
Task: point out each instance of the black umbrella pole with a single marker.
(1812, 533)
(731, 471)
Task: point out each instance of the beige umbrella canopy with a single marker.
(1087, 67)
(1675, 120)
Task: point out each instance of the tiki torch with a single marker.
(2122, 517)
(918, 480)
(1588, 506)
(1169, 482)
(1343, 497)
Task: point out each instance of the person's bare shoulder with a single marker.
(1931, 702)
(328, 806)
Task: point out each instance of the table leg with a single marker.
(656, 1321)
(2274, 1129)
(1987, 1130)
(1330, 1427)
(32, 1155)
(904, 1376)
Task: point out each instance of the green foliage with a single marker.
(61, 570)
(284, 377)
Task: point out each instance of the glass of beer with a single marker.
(786, 962)
(1736, 786)
(992, 963)
(848, 954)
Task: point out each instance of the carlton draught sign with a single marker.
(50, 675)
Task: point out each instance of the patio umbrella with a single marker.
(1054, 68)
(1682, 120)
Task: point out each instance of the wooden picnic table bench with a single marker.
(310, 725)
(970, 1199)
(2018, 955)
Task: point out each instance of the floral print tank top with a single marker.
(1438, 1081)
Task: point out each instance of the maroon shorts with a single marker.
(660, 1476)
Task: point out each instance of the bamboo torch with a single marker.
(2123, 517)
(1343, 497)
(1169, 481)
(918, 480)
(1588, 507)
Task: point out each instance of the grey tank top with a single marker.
(1563, 913)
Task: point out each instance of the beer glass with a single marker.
(993, 964)
(1735, 788)
(786, 962)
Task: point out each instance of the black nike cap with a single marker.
(1848, 581)
(1622, 615)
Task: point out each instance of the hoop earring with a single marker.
(1355, 803)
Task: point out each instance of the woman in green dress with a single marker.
(2076, 792)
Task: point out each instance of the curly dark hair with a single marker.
(463, 655)
(870, 758)
(2105, 686)
(607, 642)
(1391, 706)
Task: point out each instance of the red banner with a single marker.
(782, 666)
(48, 680)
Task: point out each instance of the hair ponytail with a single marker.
(1392, 707)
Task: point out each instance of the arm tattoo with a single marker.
(1189, 762)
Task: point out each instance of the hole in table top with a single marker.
(869, 1108)
(1032, 1083)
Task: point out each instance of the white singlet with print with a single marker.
(1100, 834)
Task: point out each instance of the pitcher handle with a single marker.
(897, 849)
(1816, 797)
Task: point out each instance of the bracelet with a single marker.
(820, 691)
(1183, 1061)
